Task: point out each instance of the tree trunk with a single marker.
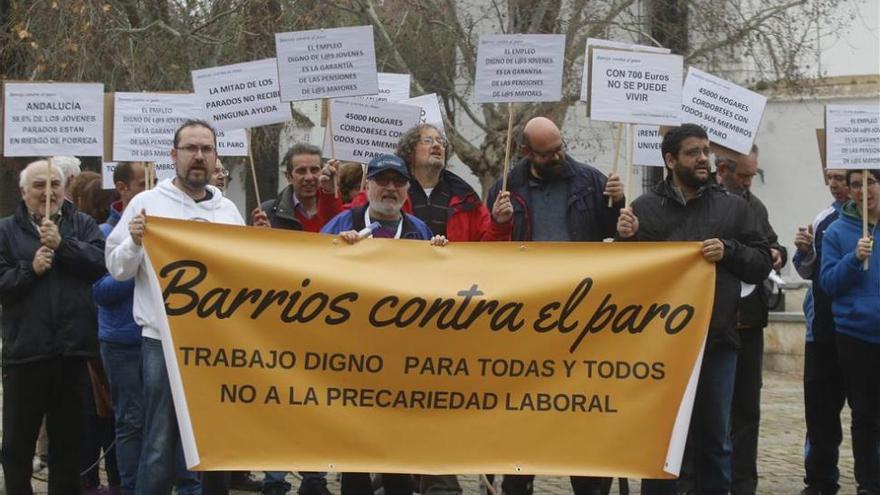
(262, 17)
(670, 28)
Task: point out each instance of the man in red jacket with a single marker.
(438, 197)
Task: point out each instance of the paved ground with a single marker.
(779, 462)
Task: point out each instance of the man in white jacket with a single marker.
(189, 197)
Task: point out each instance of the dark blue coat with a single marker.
(588, 216)
(50, 315)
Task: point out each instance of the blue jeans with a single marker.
(162, 454)
(709, 434)
(122, 363)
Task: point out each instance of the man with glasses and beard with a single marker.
(187, 196)
(553, 197)
(689, 206)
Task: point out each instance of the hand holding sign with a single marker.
(328, 176)
(502, 210)
(627, 223)
(864, 248)
(49, 235)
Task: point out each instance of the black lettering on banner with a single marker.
(185, 293)
(175, 287)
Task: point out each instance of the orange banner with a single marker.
(295, 351)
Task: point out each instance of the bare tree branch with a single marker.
(739, 34)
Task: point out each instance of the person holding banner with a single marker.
(187, 196)
(302, 205)
(855, 296)
(824, 394)
(689, 206)
(736, 172)
(48, 262)
(553, 197)
(388, 181)
(119, 337)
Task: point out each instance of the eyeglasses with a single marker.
(545, 155)
(384, 180)
(222, 172)
(192, 149)
(430, 140)
(858, 185)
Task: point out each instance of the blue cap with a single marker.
(381, 163)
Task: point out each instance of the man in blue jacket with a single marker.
(855, 294)
(48, 262)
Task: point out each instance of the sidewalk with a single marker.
(780, 451)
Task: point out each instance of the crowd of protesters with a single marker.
(82, 351)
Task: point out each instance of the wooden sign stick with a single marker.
(507, 146)
(253, 169)
(363, 176)
(618, 137)
(630, 153)
(148, 175)
(48, 212)
(865, 212)
(332, 146)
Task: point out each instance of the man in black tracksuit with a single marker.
(689, 206)
(736, 173)
(50, 329)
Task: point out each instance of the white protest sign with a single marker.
(164, 169)
(241, 96)
(519, 67)
(597, 43)
(44, 119)
(363, 129)
(392, 87)
(729, 113)
(431, 113)
(326, 63)
(647, 146)
(232, 143)
(107, 169)
(852, 134)
(144, 124)
(635, 87)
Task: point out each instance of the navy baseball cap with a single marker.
(381, 163)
